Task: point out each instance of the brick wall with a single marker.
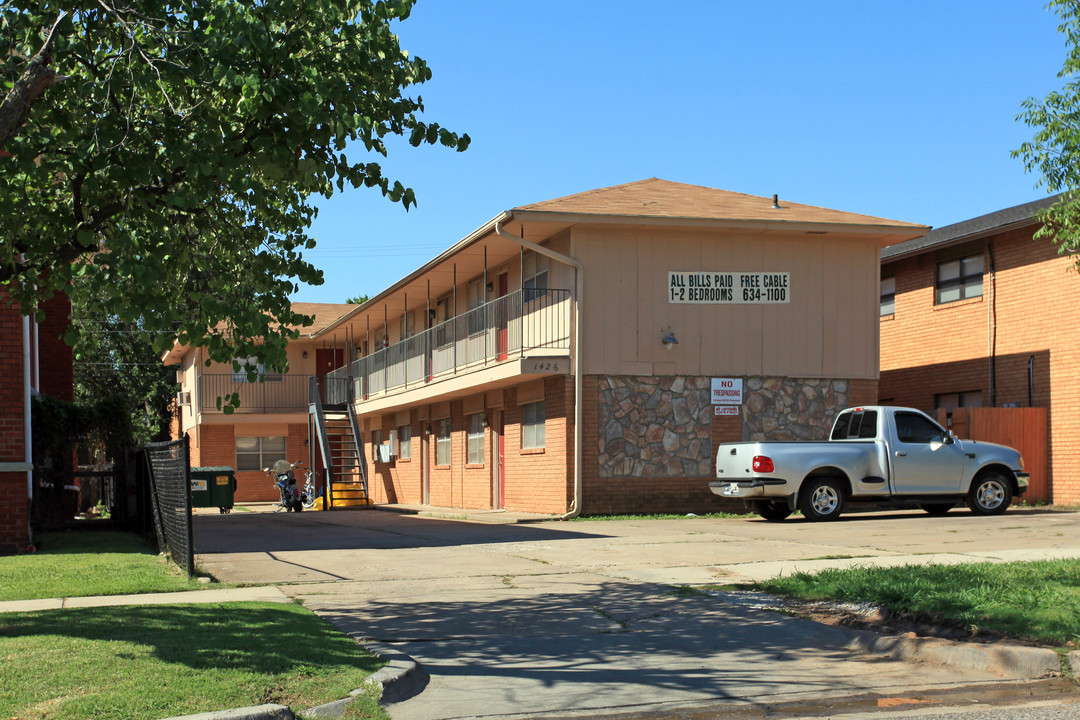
(217, 447)
(14, 529)
(1026, 315)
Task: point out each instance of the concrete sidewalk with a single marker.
(224, 595)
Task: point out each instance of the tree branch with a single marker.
(35, 79)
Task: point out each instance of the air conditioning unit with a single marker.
(383, 453)
(183, 398)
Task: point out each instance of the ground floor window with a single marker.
(476, 440)
(532, 425)
(376, 445)
(256, 453)
(442, 442)
(404, 434)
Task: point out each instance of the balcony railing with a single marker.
(510, 327)
(276, 394)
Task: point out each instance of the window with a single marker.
(241, 375)
(256, 453)
(888, 296)
(376, 443)
(913, 428)
(474, 294)
(532, 425)
(404, 433)
(951, 401)
(534, 276)
(442, 442)
(959, 279)
(444, 335)
(407, 326)
(856, 425)
(476, 440)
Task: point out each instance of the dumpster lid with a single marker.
(213, 469)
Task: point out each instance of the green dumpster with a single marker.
(213, 487)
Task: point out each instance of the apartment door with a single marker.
(504, 315)
(327, 360)
(425, 466)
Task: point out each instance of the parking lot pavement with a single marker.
(516, 619)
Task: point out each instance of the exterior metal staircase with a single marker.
(340, 442)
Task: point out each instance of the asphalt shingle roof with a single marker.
(981, 225)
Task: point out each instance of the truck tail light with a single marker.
(763, 464)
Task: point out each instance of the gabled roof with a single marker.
(994, 222)
(658, 198)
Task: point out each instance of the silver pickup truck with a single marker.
(874, 454)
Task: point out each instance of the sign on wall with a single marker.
(726, 391)
(726, 410)
(735, 288)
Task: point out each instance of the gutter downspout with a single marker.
(28, 431)
(579, 284)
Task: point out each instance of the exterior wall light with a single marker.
(670, 340)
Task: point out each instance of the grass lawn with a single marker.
(94, 562)
(159, 661)
(1037, 600)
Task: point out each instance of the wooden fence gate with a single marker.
(1025, 429)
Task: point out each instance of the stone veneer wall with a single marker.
(662, 426)
(791, 408)
(655, 427)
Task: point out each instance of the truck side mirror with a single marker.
(949, 438)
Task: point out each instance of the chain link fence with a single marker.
(169, 466)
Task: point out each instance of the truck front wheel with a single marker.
(990, 494)
(772, 510)
(821, 499)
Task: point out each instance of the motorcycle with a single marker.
(310, 492)
(292, 499)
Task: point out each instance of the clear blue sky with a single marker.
(903, 110)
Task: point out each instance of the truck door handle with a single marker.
(901, 454)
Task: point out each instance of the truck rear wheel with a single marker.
(821, 499)
(990, 494)
(772, 510)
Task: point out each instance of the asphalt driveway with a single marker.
(557, 617)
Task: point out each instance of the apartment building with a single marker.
(581, 354)
(980, 314)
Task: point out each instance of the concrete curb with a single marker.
(1015, 662)
(255, 712)
(1074, 662)
(399, 668)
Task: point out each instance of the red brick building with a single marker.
(978, 314)
(561, 357)
(33, 358)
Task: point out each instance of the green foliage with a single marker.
(1054, 152)
(83, 563)
(169, 660)
(169, 174)
(358, 300)
(113, 357)
(1036, 600)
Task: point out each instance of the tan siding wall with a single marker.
(829, 329)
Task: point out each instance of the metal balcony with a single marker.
(522, 324)
(274, 394)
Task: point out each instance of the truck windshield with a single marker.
(853, 425)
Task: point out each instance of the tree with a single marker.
(358, 300)
(1054, 152)
(161, 156)
(114, 358)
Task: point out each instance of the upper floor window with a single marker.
(474, 297)
(241, 375)
(445, 333)
(960, 279)
(534, 276)
(407, 325)
(888, 296)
